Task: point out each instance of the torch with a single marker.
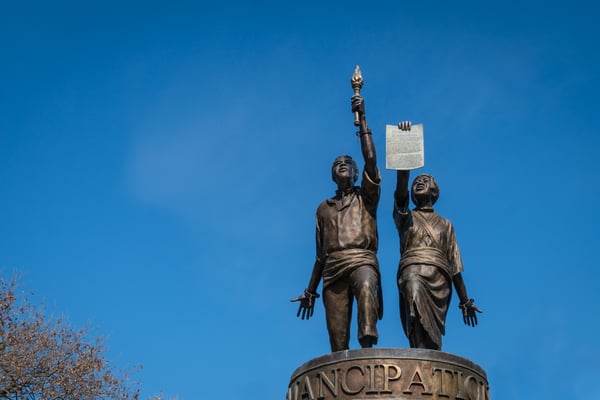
(357, 83)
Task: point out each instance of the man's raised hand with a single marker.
(358, 104)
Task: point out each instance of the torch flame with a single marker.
(357, 78)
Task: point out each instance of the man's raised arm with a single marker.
(366, 140)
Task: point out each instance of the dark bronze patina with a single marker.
(346, 261)
(430, 262)
(346, 241)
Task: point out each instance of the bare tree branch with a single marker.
(46, 359)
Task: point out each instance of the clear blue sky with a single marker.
(161, 164)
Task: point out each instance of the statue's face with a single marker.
(425, 191)
(422, 185)
(344, 168)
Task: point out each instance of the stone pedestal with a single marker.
(398, 374)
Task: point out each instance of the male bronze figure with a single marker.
(346, 241)
(430, 262)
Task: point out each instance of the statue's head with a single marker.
(344, 168)
(424, 189)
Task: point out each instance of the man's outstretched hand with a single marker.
(307, 304)
(468, 311)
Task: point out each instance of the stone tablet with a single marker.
(404, 150)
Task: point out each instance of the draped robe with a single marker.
(430, 257)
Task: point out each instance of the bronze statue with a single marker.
(346, 238)
(430, 262)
